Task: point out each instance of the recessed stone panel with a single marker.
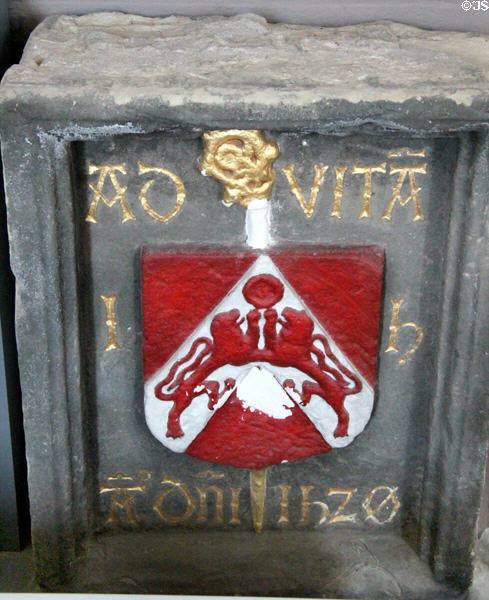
(251, 310)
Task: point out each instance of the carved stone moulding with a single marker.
(251, 265)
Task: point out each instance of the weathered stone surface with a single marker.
(302, 65)
(113, 60)
(111, 89)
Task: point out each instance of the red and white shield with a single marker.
(257, 359)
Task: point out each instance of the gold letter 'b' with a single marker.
(394, 327)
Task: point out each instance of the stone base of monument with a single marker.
(342, 564)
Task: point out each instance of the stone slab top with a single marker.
(119, 61)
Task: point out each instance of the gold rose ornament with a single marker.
(242, 160)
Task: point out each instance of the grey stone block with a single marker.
(113, 89)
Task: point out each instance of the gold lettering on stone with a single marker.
(307, 206)
(242, 160)
(406, 171)
(306, 504)
(284, 503)
(176, 487)
(338, 191)
(209, 474)
(235, 520)
(338, 516)
(380, 506)
(123, 487)
(407, 152)
(203, 513)
(373, 513)
(98, 194)
(367, 186)
(394, 328)
(143, 194)
(111, 323)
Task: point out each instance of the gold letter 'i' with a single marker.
(111, 323)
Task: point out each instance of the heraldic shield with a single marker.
(254, 359)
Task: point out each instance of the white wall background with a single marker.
(431, 14)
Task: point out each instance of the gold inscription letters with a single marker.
(367, 186)
(220, 505)
(122, 489)
(242, 160)
(176, 487)
(98, 194)
(403, 172)
(394, 328)
(284, 503)
(143, 194)
(203, 516)
(407, 152)
(414, 191)
(390, 498)
(209, 474)
(306, 503)
(338, 516)
(306, 205)
(338, 191)
(111, 323)
(235, 520)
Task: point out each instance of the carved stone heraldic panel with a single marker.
(252, 270)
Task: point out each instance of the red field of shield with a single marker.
(257, 359)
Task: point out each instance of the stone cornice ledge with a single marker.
(114, 60)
